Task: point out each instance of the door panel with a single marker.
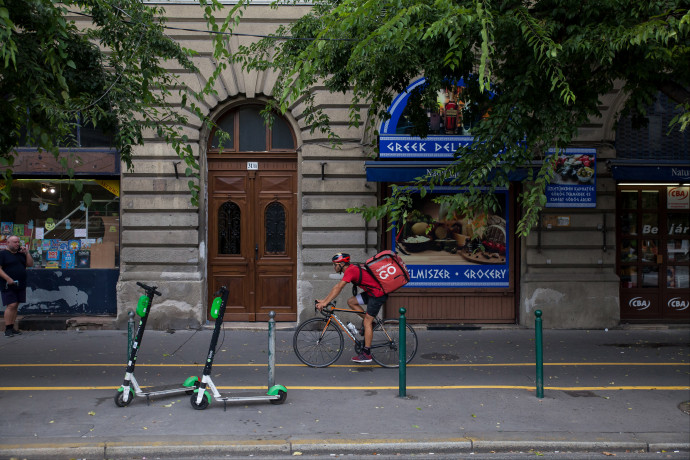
(261, 272)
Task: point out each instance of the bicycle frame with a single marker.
(330, 314)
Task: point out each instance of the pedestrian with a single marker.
(13, 263)
(372, 296)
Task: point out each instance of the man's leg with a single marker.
(368, 330)
(353, 303)
(10, 315)
(374, 305)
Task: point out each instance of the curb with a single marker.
(117, 449)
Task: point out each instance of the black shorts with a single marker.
(13, 296)
(374, 304)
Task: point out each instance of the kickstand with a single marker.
(225, 406)
(148, 400)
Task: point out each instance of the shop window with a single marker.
(61, 232)
(83, 134)
(652, 140)
(244, 129)
(654, 231)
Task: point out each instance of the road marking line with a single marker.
(389, 387)
(343, 365)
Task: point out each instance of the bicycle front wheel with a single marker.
(385, 348)
(318, 342)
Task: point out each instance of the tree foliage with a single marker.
(112, 75)
(546, 63)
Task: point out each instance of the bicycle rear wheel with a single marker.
(318, 342)
(385, 344)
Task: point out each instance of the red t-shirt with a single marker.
(368, 283)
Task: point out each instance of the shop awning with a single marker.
(407, 170)
(650, 170)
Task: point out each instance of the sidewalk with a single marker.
(467, 392)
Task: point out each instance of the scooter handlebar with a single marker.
(220, 291)
(152, 289)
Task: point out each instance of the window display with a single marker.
(51, 219)
(469, 251)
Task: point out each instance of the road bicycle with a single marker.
(318, 342)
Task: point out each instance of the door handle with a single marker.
(256, 251)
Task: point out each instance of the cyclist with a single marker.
(373, 297)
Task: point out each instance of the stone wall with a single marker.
(569, 272)
(164, 236)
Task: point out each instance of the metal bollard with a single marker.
(271, 349)
(402, 348)
(130, 332)
(540, 354)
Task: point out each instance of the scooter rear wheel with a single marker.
(282, 396)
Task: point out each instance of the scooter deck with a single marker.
(163, 391)
(249, 398)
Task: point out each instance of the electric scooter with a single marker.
(277, 394)
(130, 388)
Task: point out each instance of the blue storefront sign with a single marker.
(574, 181)
(402, 146)
(460, 251)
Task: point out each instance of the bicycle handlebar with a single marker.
(325, 309)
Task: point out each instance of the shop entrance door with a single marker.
(252, 237)
(653, 234)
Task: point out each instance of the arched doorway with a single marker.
(252, 215)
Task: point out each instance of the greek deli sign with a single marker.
(402, 146)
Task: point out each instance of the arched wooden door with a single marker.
(252, 217)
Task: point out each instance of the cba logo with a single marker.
(678, 304)
(638, 303)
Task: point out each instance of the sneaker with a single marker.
(362, 358)
(16, 332)
(8, 333)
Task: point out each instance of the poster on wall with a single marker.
(574, 181)
(463, 251)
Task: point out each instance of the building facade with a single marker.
(272, 211)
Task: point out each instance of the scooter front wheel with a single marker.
(120, 399)
(199, 406)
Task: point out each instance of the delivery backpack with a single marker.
(388, 269)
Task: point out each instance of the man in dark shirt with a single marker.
(13, 263)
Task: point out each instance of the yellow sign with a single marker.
(113, 186)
